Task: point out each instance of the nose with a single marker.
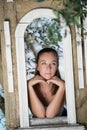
(48, 67)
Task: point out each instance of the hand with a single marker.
(35, 80)
(55, 80)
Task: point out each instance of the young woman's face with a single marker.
(47, 65)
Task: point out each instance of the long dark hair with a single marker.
(49, 50)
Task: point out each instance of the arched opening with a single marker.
(22, 86)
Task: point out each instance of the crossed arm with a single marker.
(37, 107)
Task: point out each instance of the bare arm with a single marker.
(36, 105)
(54, 107)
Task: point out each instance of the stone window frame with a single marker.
(21, 71)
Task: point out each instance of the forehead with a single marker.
(48, 56)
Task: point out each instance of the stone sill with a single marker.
(57, 123)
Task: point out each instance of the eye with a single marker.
(54, 63)
(43, 63)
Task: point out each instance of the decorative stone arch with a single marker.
(22, 86)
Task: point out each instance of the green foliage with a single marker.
(44, 31)
(73, 12)
(54, 34)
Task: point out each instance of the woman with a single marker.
(46, 89)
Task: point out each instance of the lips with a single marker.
(47, 74)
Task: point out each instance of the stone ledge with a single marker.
(55, 127)
(57, 123)
(45, 121)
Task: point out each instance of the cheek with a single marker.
(39, 68)
(54, 70)
(41, 71)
